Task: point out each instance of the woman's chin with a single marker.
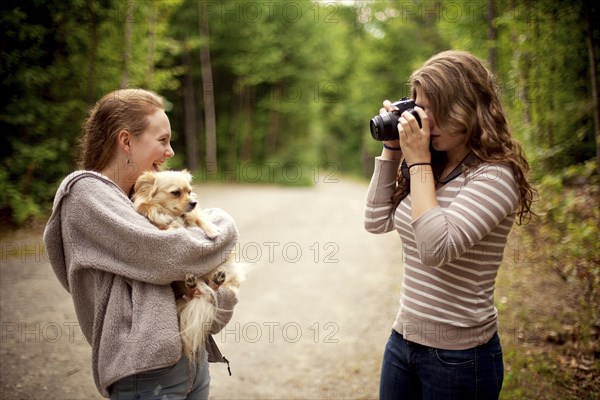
(436, 147)
(155, 167)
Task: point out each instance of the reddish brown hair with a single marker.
(462, 96)
(124, 109)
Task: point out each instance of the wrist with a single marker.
(391, 155)
(411, 165)
(392, 148)
(416, 163)
(417, 167)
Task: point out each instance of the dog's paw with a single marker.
(190, 281)
(217, 280)
(219, 277)
(212, 235)
(211, 231)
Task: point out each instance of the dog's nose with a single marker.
(193, 204)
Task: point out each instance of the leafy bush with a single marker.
(568, 228)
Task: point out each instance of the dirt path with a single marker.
(314, 314)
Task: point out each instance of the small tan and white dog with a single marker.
(167, 200)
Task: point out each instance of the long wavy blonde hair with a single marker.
(463, 99)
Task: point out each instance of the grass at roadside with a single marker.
(549, 339)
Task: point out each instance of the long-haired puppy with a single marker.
(167, 200)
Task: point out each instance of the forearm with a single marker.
(122, 242)
(378, 203)
(422, 190)
(391, 155)
(226, 301)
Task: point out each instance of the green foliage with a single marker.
(569, 228)
(38, 108)
(295, 83)
(546, 81)
(57, 59)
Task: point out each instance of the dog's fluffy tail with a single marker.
(196, 318)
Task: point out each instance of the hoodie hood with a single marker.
(53, 237)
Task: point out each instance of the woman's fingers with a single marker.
(423, 117)
(411, 122)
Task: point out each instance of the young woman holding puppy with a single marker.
(452, 189)
(118, 267)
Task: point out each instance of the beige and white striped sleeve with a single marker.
(379, 208)
(489, 196)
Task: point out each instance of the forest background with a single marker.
(282, 92)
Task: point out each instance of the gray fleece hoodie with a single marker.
(118, 267)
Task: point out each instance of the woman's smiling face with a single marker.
(153, 147)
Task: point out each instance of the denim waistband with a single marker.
(495, 337)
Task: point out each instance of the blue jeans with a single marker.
(183, 380)
(412, 371)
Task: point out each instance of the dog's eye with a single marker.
(176, 193)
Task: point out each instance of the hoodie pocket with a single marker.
(127, 310)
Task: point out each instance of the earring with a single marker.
(126, 161)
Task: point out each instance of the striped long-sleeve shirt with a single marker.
(451, 253)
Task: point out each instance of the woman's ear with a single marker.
(124, 141)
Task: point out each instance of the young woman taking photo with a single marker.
(451, 186)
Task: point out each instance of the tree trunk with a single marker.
(234, 128)
(247, 118)
(190, 129)
(521, 63)
(127, 47)
(593, 82)
(91, 81)
(152, 45)
(491, 35)
(210, 124)
(274, 122)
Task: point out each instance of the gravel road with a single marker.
(313, 318)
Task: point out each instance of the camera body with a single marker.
(385, 126)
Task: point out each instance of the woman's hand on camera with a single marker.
(414, 140)
(390, 144)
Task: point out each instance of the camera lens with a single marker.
(383, 127)
(376, 127)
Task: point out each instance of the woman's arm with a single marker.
(422, 190)
(415, 140)
(226, 301)
(379, 209)
(379, 216)
(488, 197)
(102, 230)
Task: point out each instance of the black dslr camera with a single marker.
(385, 126)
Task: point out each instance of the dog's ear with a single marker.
(144, 187)
(187, 175)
